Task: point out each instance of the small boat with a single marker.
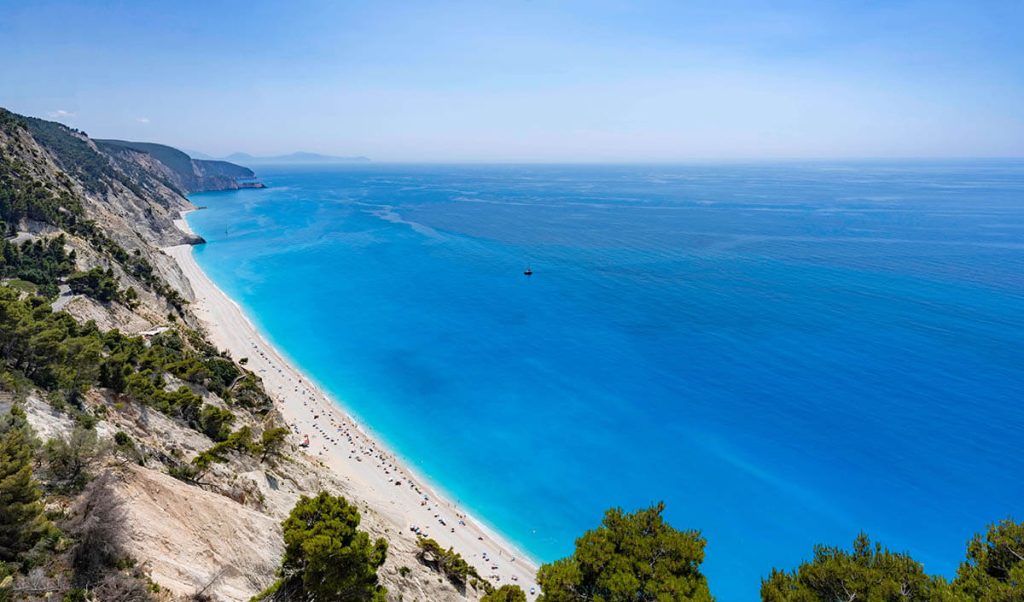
(528, 271)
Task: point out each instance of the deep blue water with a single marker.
(785, 354)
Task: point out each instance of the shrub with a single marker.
(449, 562)
(68, 459)
(215, 422)
(505, 593)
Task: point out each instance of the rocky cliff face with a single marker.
(185, 174)
(196, 538)
(111, 217)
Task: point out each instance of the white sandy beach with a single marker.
(375, 475)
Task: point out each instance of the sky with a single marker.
(528, 80)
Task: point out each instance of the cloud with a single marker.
(60, 114)
(142, 119)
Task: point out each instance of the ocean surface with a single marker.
(785, 354)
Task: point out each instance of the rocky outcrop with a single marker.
(185, 174)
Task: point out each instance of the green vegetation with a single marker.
(505, 593)
(637, 557)
(68, 459)
(24, 196)
(190, 174)
(131, 298)
(449, 562)
(214, 168)
(866, 573)
(629, 557)
(992, 572)
(74, 155)
(132, 263)
(241, 441)
(173, 158)
(21, 513)
(194, 472)
(215, 422)
(51, 350)
(994, 569)
(41, 262)
(97, 283)
(23, 286)
(57, 354)
(248, 392)
(81, 555)
(271, 442)
(326, 556)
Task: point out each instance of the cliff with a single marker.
(185, 174)
(150, 445)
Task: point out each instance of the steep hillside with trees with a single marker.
(183, 173)
(137, 461)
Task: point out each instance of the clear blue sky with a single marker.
(528, 80)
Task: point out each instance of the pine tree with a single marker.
(994, 569)
(505, 593)
(867, 572)
(21, 513)
(634, 557)
(326, 555)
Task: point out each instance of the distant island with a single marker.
(292, 159)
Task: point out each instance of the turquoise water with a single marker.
(785, 354)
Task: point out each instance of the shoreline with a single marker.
(376, 476)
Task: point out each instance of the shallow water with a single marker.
(785, 354)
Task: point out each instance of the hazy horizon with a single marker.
(530, 82)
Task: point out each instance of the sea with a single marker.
(785, 354)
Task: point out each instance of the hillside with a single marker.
(185, 174)
(137, 460)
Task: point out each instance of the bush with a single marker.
(68, 459)
(248, 393)
(271, 442)
(451, 564)
(125, 448)
(215, 422)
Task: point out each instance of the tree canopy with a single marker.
(631, 557)
(505, 593)
(994, 569)
(21, 513)
(865, 573)
(326, 556)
